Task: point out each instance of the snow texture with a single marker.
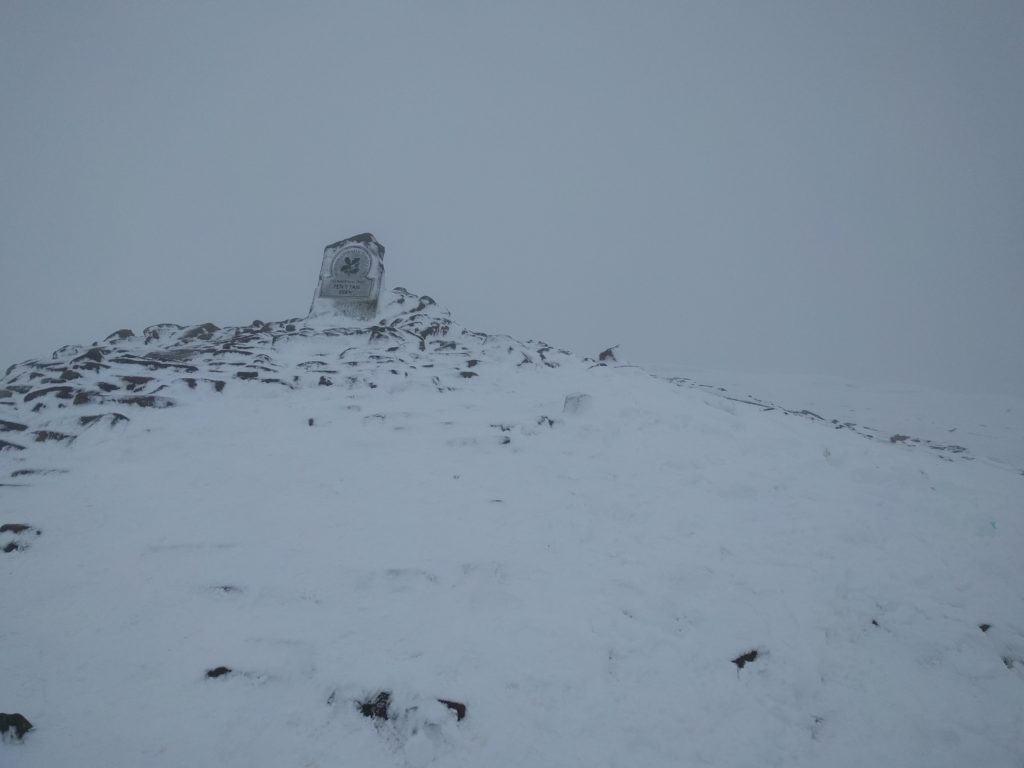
(218, 545)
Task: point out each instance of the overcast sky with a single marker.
(821, 187)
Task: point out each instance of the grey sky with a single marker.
(823, 187)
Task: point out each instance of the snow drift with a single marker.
(238, 542)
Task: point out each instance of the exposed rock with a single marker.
(135, 382)
(743, 659)
(16, 536)
(14, 726)
(65, 393)
(15, 528)
(376, 706)
(218, 672)
(45, 435)
(457, 707)
(145, 401)
(110, 418)
(351, 276)
(95, 354)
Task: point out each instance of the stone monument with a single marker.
(351, 278)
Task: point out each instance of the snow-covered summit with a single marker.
(401, 542)
(413, 341)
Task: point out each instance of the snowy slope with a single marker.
(989, 426)
(406, 506)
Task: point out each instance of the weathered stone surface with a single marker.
(351, 278)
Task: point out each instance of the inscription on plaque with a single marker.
(348, 272)
(351, 277)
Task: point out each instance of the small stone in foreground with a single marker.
(218, 672)
(17, 723)
(16, 528)
(744, 659)
(457, 707)
(376, 707)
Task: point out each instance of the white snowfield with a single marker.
(361, 516)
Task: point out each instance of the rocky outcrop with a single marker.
(413, 340)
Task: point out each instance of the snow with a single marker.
(581, 579)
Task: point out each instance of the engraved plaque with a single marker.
(351, 277)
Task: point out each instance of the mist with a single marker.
(796, 187)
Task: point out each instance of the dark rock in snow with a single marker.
(65, 393)
(376, 706)
(134, 383)
(12, 426)
(15, 528)
(744, 659)
(95, 355)
(146, 401)
(457, 707)
(45, 436)
(17, 532)
(218, 672)
(111, 418)
(14, 726)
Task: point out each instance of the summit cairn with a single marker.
(351, 278)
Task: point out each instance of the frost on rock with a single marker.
(413, 341)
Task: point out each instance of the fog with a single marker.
(831, 188)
